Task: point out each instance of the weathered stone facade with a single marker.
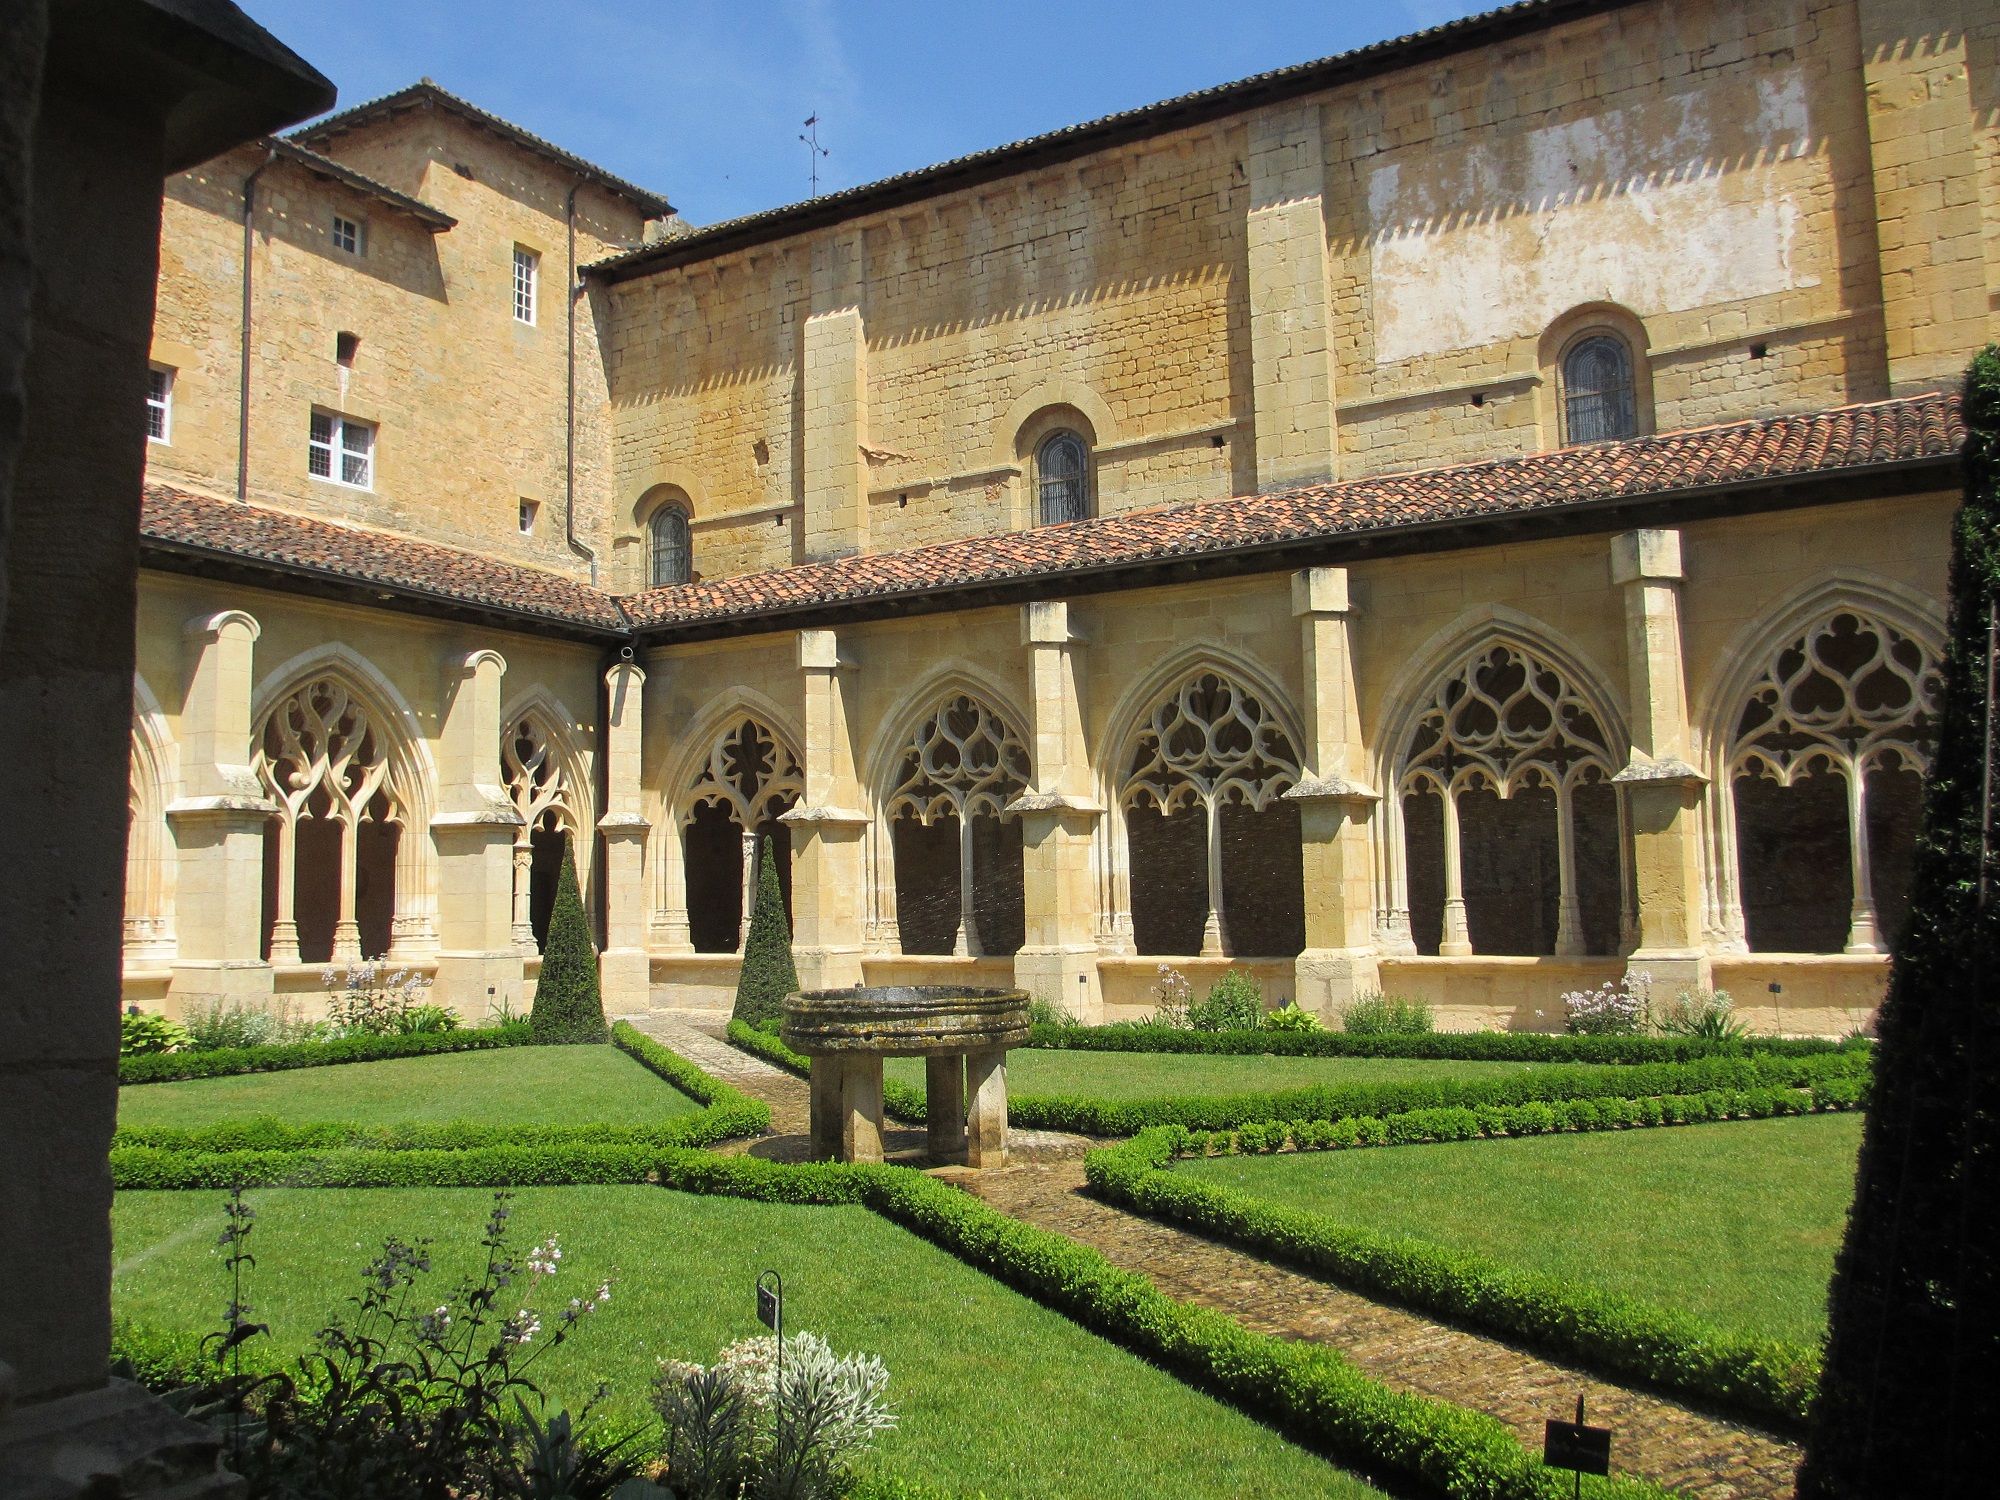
(1375, 266)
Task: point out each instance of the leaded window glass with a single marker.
(1062, 473)
(1599, 403)
(672, 548)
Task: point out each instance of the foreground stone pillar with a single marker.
(1339, 961)
(1662, 790)
(219, 821)
(1057, 962)
(986, 1116)
(827, 1090)
(861, 1107)
(625, 969)
(474, 829)
(829, 900)
(944, 1106)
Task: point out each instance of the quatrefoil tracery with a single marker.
(320, 756)
(963, 761)
(1208, 744)
(749, 773)
(1505, 721)
(535, 781)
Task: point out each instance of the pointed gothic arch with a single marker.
(1818, 732)
(549, 786)
(1206, 746)
(149, 845)
(738, 771)
(350, 869)
(1503, 830)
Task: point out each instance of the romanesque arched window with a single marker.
(1062, 477)
(670, 547)
(552, 818)
(1826, 764)
(330, 855)
(729, 809)
(1214, 848)
(1599, 397)
(957, 852)
(1510, 821)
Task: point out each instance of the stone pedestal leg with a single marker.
(986, 1123)
(829, 1074)
(944, 1106)
(861, 1111)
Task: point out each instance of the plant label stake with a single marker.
(771, 1313)
(1573, 1446)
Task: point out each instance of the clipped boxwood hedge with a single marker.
(221, 1062)
(1440, 1046)
(1766, 1379)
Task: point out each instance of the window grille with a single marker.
(159, 403)
(672, 548)
(347, 235)
(1599, 403)
(1062, 471)
(341, 450)
(527, 269)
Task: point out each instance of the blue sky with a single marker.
(703, 99)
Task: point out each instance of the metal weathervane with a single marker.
(814, 150)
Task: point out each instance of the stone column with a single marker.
(944, 1106)
(1291, 353)
(826, 1097)
(625, 967)
(1923, 146)
(474, 829)
(835, 377)
(1335, 805)
(986, 1119)
(219, 821)
(1057, 961)
(829, 902)
(670, 917)
(1662, 790)
(861, 1107)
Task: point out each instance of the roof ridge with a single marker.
(426, 89)
(319, 161)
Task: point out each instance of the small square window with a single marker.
(348, 235)
(527, 270)
(160, 404)
(341, 450)
(529, 508)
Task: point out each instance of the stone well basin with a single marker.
(961, 1032)
(917, 1020)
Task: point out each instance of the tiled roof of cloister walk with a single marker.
(183, 530)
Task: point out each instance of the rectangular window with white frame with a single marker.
(527, 272)
(160, 404)
(529, 510)
(341, 450)
(349, 235)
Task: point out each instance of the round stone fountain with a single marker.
(962, 1034)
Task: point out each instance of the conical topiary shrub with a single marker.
(1910, 1398)
(569, 1004)
(767, 975)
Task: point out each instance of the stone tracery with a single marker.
(749, 779)
(551, 813)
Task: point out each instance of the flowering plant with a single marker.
(367, 1000)
(1615, 1008)
(1172, 995)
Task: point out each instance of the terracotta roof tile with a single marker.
(1824, 442)
(178, 518)
(1844, 438)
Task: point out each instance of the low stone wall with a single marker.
(1819, 994)
(1495, 993)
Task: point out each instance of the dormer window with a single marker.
(1062, 478)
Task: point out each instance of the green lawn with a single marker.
(1737, 1223)
(1148, 1075)
(503, 1086)
(995, 1392)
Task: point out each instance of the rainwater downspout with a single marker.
(569, 414)
(243, 373)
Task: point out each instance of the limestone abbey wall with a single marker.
(1777, 208)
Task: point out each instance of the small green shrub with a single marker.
(1289, 1017)
(569, 1005)
(142, 1034)
(768, 974)
(1706, 1014)
(226, 1061)
(426, 1020)
(1378, 1014)
(1047, 1013)
(1233, 1003)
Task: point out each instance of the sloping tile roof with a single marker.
(1853, 438)
(425, 93)
(1737, 453)
(1073, 141)
(176, 518)
(433, 219)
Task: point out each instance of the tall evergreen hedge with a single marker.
(768, 974)
(1910, 1398)
(569, 1003)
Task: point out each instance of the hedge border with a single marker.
(1311, 1392)
(1441, 1046)
(1769, 1380)
(224, 1062)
